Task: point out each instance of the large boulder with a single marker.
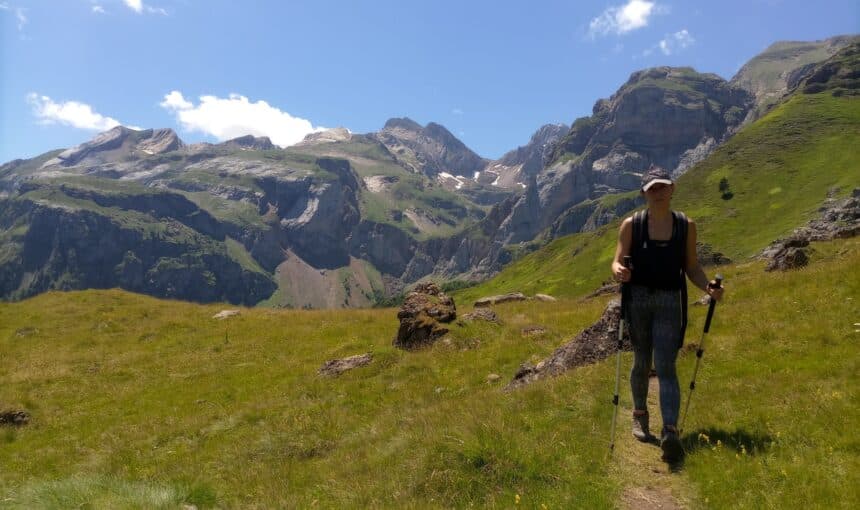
(422, 316)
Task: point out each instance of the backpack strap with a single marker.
(681, 225)
(639, 224)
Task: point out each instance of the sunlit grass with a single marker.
(138, 402)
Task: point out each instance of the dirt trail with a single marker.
(653, 484)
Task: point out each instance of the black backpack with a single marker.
(679, 228)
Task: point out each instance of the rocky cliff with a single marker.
(515, 168)
(430, 150)
(670, 117)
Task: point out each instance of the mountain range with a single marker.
(346, 219)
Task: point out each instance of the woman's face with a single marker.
(659, 193)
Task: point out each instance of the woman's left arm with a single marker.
(694, 271)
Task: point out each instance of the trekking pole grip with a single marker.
(718, 281)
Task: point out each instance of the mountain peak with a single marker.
(251, 142)
(117, 143)
(429, 150)
(338, 134)
(403, 123)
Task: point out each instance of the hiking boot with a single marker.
(640, 426)
(670, 443)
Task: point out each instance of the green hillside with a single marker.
(779, 170)
(141, 403)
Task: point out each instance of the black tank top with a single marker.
(658, 264)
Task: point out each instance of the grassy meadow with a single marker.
(143, 403)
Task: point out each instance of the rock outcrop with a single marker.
(422, 316)
(839, 219)
(595, 343)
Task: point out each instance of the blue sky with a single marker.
(492, 72)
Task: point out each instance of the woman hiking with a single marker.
(662, 244)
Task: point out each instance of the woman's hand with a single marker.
(621, 273)
(715, 292)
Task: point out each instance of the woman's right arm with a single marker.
(625, 239)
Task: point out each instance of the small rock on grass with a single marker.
(503, 298)
(493, 378)
(15, 418)
(223, 314)
(484, 314)
(339, 366)
(533, 330)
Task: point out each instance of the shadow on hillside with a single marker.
(739, 440)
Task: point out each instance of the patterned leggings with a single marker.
(655, 330)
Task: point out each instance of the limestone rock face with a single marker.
(670, 117)
(319, 220)
(429, 150)
(422, 316)
(516, 167)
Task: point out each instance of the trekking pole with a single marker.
(701, 350)
(628, 263)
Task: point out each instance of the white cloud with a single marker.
(69, 113)
(138, 6)
(675, 42)
(457, 111)
(98, 9)
(135, 5)
(19, 14)
(234, 116)
(622, 19)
